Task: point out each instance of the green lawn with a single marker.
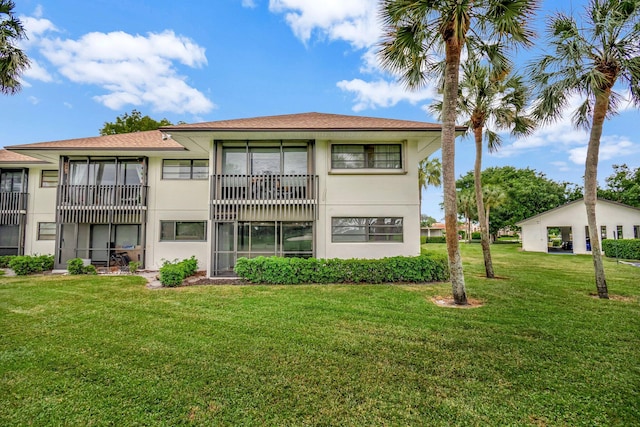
(540, 352)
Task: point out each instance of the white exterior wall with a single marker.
(175, 200)
(355, 193)
(611, 215)
(41, 207)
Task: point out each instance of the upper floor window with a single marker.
(619, 232)
(258, 160)
(12, 180)
(366, 229)
(366, 156)
(49, 178)
(104, 171)
(185, 169)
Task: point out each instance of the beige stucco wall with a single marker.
(41, 207)
(174, 200)
(371, 193)
(611, 215)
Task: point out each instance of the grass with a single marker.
(541, 351)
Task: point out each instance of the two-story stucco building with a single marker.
(321, 185)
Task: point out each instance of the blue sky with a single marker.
(212, 60)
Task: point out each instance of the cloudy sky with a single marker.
(212, 60)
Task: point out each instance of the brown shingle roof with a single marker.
(148, 140)
(7, 156)
(307, 121)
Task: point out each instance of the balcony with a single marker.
(13, 205)
(264, 197)
(125, 204)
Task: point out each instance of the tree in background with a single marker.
(526, 193)
(415, 35)
(13, 61)
(426, 220)
(134, 122)
(489, 101)
(588, 59)
(429, 173)
(623, 186)
(466, 200)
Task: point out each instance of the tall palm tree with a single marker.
(13, 61)
(589, 59)
(489, 100)
(415, 33)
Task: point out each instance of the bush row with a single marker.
(438, 239)
(622, 248)
(291, 271)
(173, 273)
(26, 264)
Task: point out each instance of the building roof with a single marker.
(148, 140)
(7, 156)
(309, 122)
(519, 223)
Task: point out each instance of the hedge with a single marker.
(173, 273)
(291, 271)
(25, 264)
(438, 239)
(621, 248)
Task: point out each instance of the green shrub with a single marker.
(291, 271)
(46, 261)
(476, 235)
(5, 260)
(75, 266)
(1, 272)
(24, 264)
(134, 266)
(89, 269)
(621, 248)
(173, 273)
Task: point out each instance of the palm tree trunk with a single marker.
(591, 188)
(452, 68)
(482, 218)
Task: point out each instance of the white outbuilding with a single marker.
(565, 229)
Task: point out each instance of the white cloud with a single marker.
(37, 72)
(381, 93)
(132, 69)
(251, 4)
(33, 100)
(611, 147)
(354, 21)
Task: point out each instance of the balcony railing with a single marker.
(102, 203)
(13, 205)
(264, 197)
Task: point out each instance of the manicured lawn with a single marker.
(541, 351)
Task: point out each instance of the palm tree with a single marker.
(415, 32)
(489, 99)
(13, 60)
(492, 196)
(466, 206)
(429, 173)
(588, 60)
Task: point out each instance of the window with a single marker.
(46, 231)
(48, 179)
(366, 156)
(11, 181)
(636, 231)
(603, 232)
(619, 232)
(366, 230)
(185, 169)
(183, 231)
